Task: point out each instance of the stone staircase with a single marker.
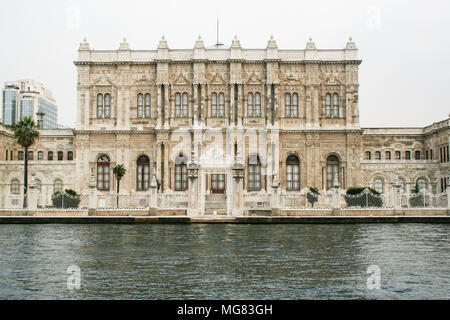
(216, 203)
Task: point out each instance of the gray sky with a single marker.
(404, 45)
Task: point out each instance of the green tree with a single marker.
(26, 133)
(119, 171)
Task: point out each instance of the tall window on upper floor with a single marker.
(103, 105)
(15, 187)
(20, 155)
(40, 155)
(218, 105)
(254, 173)
(60, 156)
(50, 156)
(398, 155)
(377, 155)
(30, 155)
(99, 105)
(254, 105)
(140, 105)
(332, 171)
(417, 155)
(147, 105)
(407, 155)
(107, 105)
(181, 105)
(292, 173)
(368, 155)
(181, 178)
(185, 108)
(332, 105)
(103, 164)
(70, 155)
(291, 105)
(7, 153)
(143, 173)
(143, 105)
(388, 155)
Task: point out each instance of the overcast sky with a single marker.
(404, 45)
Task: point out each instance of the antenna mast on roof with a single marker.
(218, 43)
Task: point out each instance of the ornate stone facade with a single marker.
(225, 127)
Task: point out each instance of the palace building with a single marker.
(221, 129)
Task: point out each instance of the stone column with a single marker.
(231, 106)
(153, 197)
(240, 105)
(275, 196)
(238, 175)
(32, 197)
(193, 204)
(159, 101)
(92, 200)
(230, 193)
(166, 107)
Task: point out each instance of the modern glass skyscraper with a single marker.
(9, 111)
(25, 98)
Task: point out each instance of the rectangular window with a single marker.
(30, 155)
(408, 155)
(20, 155)
(50, 156)
(388, 155)
(417, 155)
(398, 155)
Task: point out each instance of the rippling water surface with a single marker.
(225, 261)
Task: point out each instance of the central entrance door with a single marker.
(218, 183)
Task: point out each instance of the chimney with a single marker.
(40, 120)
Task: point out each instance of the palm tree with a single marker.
(25, 131)
(119, 171)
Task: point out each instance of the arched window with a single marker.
(378, 185)
(388, 155)
(335, 105)
(250, 105)
(143, 173)
(15, 187)
(99, 105)
(287, 105)
(148, 101)
(221, 105)
(70, 155)
(332, 171)
(140, 105)
(292, 173)
(60, 155)
(185, 105)
(107, 105)
(254, 173)
(50, 156)
(40, 155)
(214, 105)
(328, 105)
(57, 186)
(103, 173)
(421, 184)
(181, 179)
(377, 155)
(257, 104)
